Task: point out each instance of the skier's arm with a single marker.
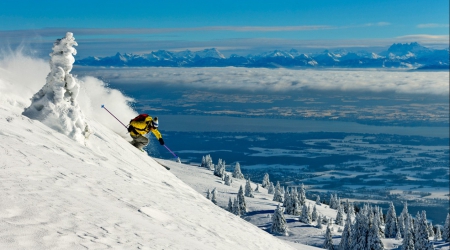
(158, 136)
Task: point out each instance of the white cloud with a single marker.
(433, 25)
(284, 80)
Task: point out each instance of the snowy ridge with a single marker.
(58, 194)
(408, 55)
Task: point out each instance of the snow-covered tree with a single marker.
(319, 222)
(219, 169)
(207, 162)
(314, 214)
(208, 195)
(279, 225)
(402, 218)
(318, 200)
(408, 238)
(248, 189)
(236, 210)
(55, 104)
(287, 202)
(265, 182)
(302, 195)
(328, 243)
(214, 196)
(241, 200)
(228, 180)
(340, 216)
(257, 188)
(446, 230)
(237, 171)
(277, 196)
(271, 188)
(360, 229)
(374, 240)
(346, 238)
(421, 235)
(333, 202)
(438, 235)
(378, 220)
(306, 215)
(430, 229)
(230, 205)
(391, 225)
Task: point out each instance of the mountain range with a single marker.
(408, 55)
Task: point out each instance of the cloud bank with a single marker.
(283, 80)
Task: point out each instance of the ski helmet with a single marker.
(155, 122)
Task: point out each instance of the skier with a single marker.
(140, 126)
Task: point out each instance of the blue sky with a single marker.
(105, 27)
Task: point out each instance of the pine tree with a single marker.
(271, 189)
(257, 188)
(378, 221)
(287, 203)
(203, 162)
(266, 182)
(279, 225)
(306, 215)
(430, 229)
(207, 162)
(438, 235)
(332, 201)
(360, 229)
(314, 214)
(296, 207)
(237, 171)
(277, 194)
(374, 239)
(319, 221)
(402, 218)
(421, 235)
(230, 205)
(318, 200)
(241, 200)
(346, 238)
(208, 195)
(446, 230)
(228, 180)
(214, 198)
(408, 238)
(219, 169)
(391, 225)
(236, 209)
(302, 195)
(340, 216)
(248, 189)
(328, 243)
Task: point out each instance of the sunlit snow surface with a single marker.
(58, 194)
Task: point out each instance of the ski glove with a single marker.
(161, 141)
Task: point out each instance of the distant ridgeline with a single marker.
(409, 55)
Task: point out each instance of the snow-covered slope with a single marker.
(59, 194)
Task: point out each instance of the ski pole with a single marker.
(103, 107)
(171, 151)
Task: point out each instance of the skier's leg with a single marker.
(140, 142)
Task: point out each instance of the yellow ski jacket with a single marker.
(143, 127)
